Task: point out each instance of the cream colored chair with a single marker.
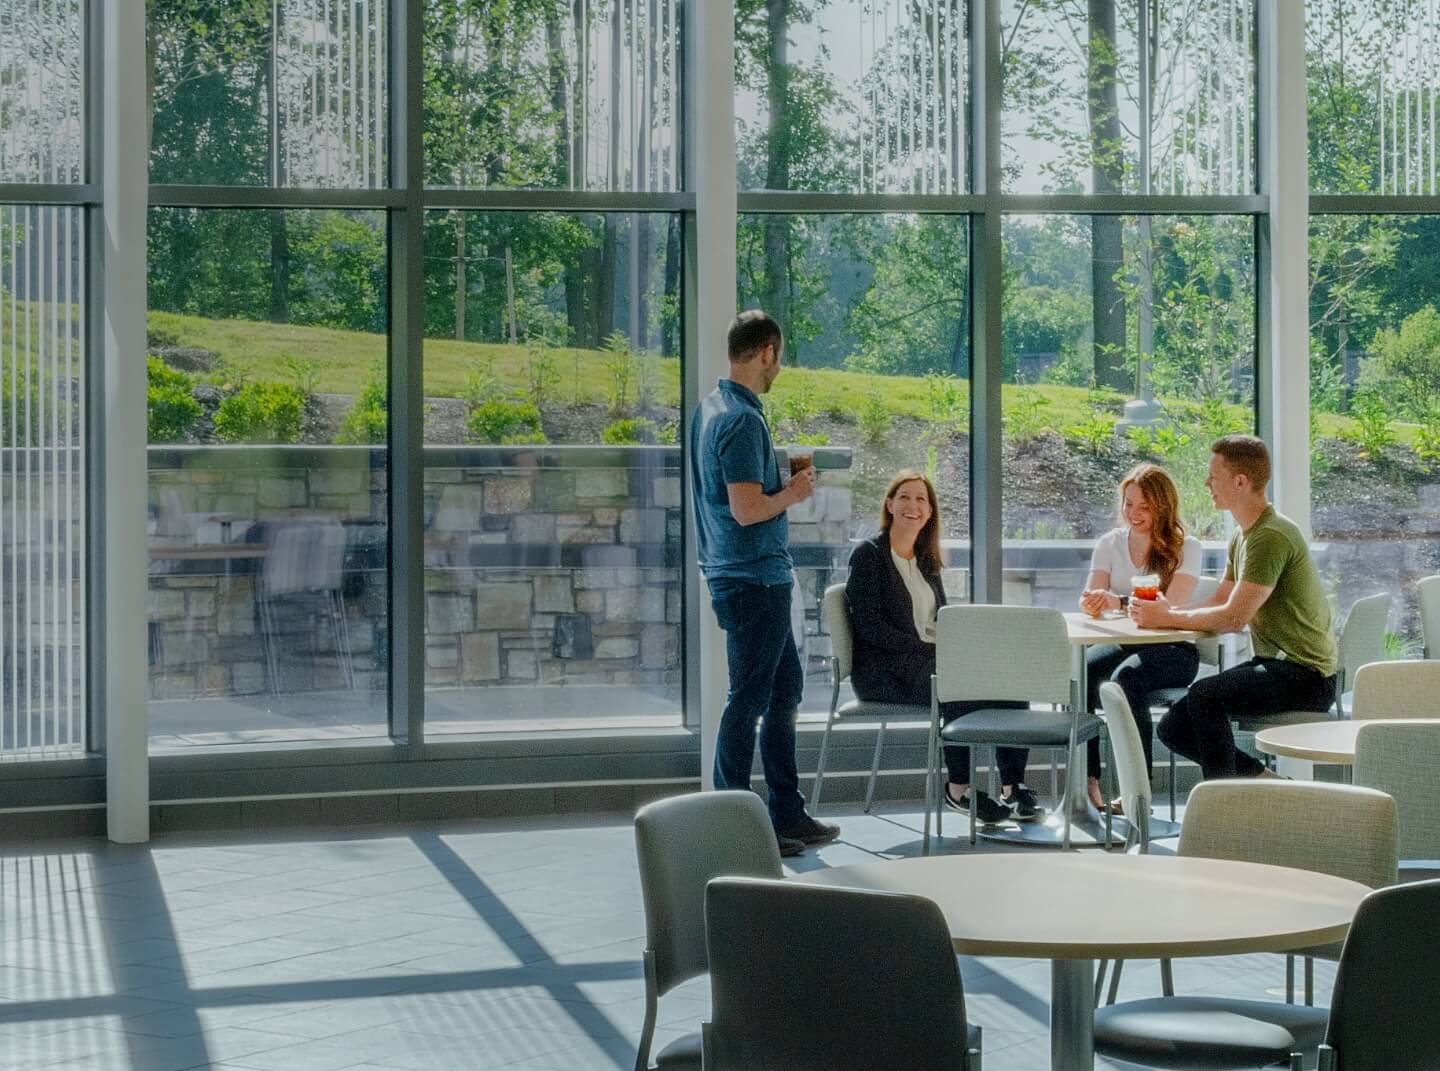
(1396, 690)
(1427, 594)
(835, 611)
(1403, 761)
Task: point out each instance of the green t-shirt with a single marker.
(1294, 623)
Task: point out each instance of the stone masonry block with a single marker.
(507, 495)
(480, 656)
(503, 605)
(554, 594)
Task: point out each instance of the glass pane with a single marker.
(852, 96)
(584, 96)
(42, 91)
(1372, 87)
(552, 475)
(42, 482)
(1086, 112)
(1375, 401)
(268, 535)
(269, 93)
(1126, 339)
(876, 379)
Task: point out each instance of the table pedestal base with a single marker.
(1072, 1015)
(1086, 831)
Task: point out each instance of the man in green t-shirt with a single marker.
(1271, 584)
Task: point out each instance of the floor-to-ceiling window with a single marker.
(43, 354)
(1375, 301)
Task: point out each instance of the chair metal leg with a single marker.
(931, 793)
(1327, 1058)
(1289, 979)
(647, 1030)
(1167, 977)
(973, 1055)
(1100, 973)
(820, 762)
(1054, 778)
(1172, 784)
(1069, 784)
(1310, 981)
(875, 767)
(1114, 993)
(1297, 1062)
(974, 758)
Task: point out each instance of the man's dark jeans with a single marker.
(1198, 727)
(766, 682)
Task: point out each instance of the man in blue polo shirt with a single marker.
(743, 540)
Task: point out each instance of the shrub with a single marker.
(368, 420)
(1427, 439)
(630, 432)
(1095, 433)
(304, 373)
(620, 363)
(541, 370)
(261, 413)
(947, 403)
(170, 408)
(1373, 431)
(505, 422)
(1024, 419)
(875, 421)
(810, 438)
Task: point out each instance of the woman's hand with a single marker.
(1095, 601)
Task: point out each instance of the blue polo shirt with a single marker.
(729, 443)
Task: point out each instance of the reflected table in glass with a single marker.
(1111, 907)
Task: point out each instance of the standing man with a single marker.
(743, 539)
(1272, 585)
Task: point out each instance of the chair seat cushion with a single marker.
(858, 709)
(1207, 1032)
(1019, 728)
(1248, 723)
(1166, 697)
(682, 1054)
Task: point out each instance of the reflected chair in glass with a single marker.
(1403, 761)
(836, 614)
(681, 843)
(808, 978)
(1427, 596)
(304, 574)
(1396, 690)
(1381, 1015)
(1003, 654)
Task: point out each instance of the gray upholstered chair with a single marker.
(1003, 654)
(1362, 641)
(1402, 761)
(682, 843)
(1427, 595)
(835, 611)
(1333, 829)
(1382, 1009)
(809, 978)
(1396, 690)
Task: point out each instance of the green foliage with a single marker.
(304, 373)
(875, 421)
(1398, 647)
(170, 406)
(505, 422)
(542, 371)
(268, 413)
(620, 363)
(368, 420)
(1427, 439)
(1407, 362)
(1096, 433)
(162, 330)
(481, 383)
(1025, 417)
(630, 431)
(932, 464)
(811, 438)
(1374, 431)
(801, 405)
(1162, 442)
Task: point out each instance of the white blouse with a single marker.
(922, 595)
(1112, 555)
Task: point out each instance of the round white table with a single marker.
(1087, 826)
(1111, 907)
(1321, 741)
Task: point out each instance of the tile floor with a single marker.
(486, 945)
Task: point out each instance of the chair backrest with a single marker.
(809, 978)
(1396, 690)
(1362, 637)
(1427, 595)
(976, 647)
(1128, 752)
(1210, 647)
(1403, 761)
(1343, 830)
(1382, 1008)
(682, 843)
(835, 611)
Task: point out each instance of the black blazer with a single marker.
(892, 663)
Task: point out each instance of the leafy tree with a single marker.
(1406, 365)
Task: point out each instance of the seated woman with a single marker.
(1152, 540)
(894, 592)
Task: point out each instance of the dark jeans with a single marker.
(1198, 726)
(1139, 670)
(766, 682)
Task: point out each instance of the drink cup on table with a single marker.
(1145, 586)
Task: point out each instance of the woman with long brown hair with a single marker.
(894, 592)
(1152, 540)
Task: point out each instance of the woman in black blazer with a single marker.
(894, 592)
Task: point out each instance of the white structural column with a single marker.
(1285, 352)
(120, 688)
(710, 174)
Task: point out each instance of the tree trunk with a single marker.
(1107, 162)
(567, 146)
(775, 229)
(604, 311)
(279, 267)
(670, 329)
(460, 285)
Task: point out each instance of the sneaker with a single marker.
(1026, 804)
(789, 846)
(987, 810)
(808, 830)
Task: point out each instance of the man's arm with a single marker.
(1238, 608)
(749, 504)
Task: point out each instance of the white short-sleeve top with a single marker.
(1112, 555)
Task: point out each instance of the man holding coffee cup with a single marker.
(743, 542)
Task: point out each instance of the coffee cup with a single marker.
(800, 462)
